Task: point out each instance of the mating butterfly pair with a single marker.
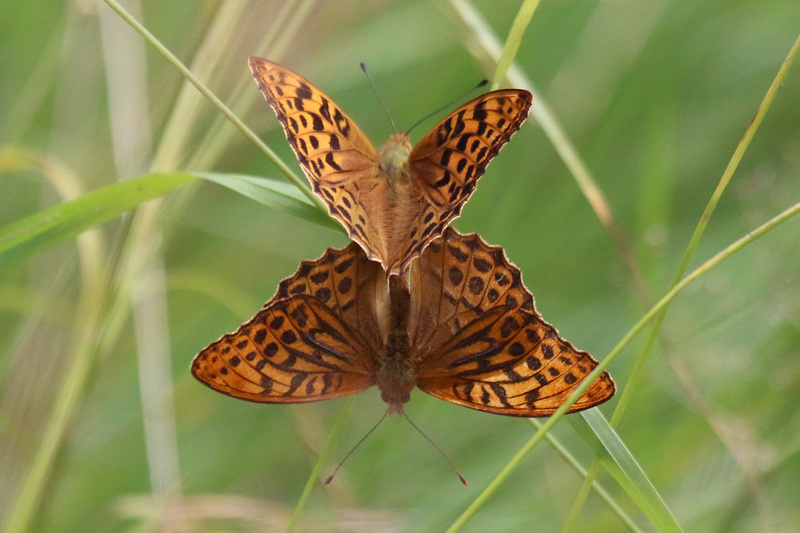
(412, 303)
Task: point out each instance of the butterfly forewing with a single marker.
(450, 158)
(447, 162)
(350, 285)
(329, 146)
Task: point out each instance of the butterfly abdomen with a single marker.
(396, 378)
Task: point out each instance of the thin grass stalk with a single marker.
(131, 140)
(322, 460)
(189, 105)
(514, 40)
(88, 314)
(655, 331)
(244, 92)
(595, 485)
(603, 364)
(218, 104)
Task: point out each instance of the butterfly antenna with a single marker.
(464, 481)
(447, 105)
(378, 94)
(330, 478)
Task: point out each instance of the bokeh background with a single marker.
(654, 94)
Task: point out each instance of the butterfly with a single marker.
(460, 325)
(396, 201)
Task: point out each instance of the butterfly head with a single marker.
(394, 157)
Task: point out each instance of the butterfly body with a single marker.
(393, 203)
(396, 378)
(393, 161)
(460, 325)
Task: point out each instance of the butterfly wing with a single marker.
(484, 345)
(315, 340)
(295, 350)
(329, 146)
(511, 363)
(460, 277)
(447, 162)
(335, 155)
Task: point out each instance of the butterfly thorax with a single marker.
(393, 159)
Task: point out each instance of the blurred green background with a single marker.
(655, 95)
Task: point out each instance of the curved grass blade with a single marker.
(598, 434)
(274, 193)
(206, 92)
(595, 485)
(641, 360)
(52, 226)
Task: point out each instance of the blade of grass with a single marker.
(186, 111)
(603, 364)
(47, 228)
(609, 449)
(573, 462)
(691, 248)
(511, 46)
(57, 224)
(273, 193)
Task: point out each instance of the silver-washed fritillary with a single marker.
(394, 202)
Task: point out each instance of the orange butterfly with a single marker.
(396, 201)
(460, 325)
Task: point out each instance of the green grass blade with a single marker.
(52, 226)
(595, 486)
(603, 364)
(640, 363)
(598, 434)
(688, 254)
(273, 193)
(322, 460)
(47, 228)
(511, 46)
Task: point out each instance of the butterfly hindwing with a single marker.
(294, 350)
(511, 362)
(314, 340)
(488, 348)
(463, 277)
(347, 283)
